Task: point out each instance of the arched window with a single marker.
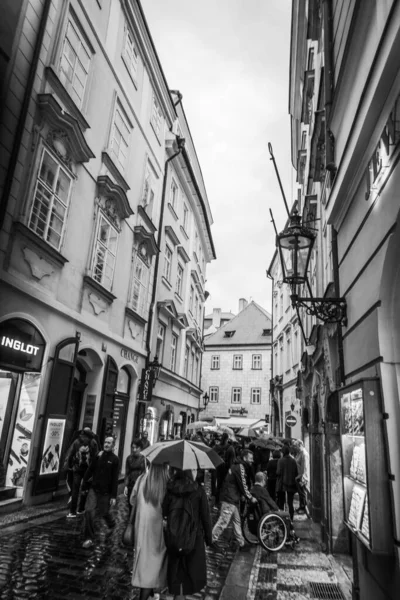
(124, 382)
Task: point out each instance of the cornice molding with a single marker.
(108, 188)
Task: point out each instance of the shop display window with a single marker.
(364, 472)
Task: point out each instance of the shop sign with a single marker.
(22, 346)
(50, 461)
(290, 420)
(129, 355)
(238, 411)
(146, 385)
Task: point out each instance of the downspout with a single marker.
(336, 283)
(271, 385)
(328, 85)
(24, 111)
(181, 144)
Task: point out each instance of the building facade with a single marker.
(344, 106)
(90, 136)
(236, 369)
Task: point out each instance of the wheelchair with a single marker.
(273, 530)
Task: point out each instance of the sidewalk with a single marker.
(300, 574)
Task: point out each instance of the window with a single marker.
(256, 361)
(185, 217)
(229, 334)
(192, 366)
(160, 342)
(167, 262)
(105, 252)
(214, 394)
(120, 135)
(148, 187)
(156, 117)
(215, 362)
(255, 395)
(266, 332)
(288, 352)
(196, 374)
(196, 308)
(75, 62)
(310, 65)
(238, 361)
(174, 344)
(130, 55)
(51, 199)
(179, 280)
(173, 195)
(281, 304)
(236, 395)
(186, 364)
(139, 287)
(191, 299)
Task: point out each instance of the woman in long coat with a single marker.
(150, 559)
(188, 574)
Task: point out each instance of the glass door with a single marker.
(8, 387)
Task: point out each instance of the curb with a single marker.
(237, 583)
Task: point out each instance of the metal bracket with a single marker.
(328, 310)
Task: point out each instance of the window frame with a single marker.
(213, 391)
(215, 358)
(160, 341)
(180, 271)
(140, 308)
(253, 395)
(102, 216)
(185, 220)
(130, 60)
(43, 150)
(236, 390)
(167, 263)
(253, 361)
(118, 108)
(173, 194)
(156, 117)
(174, 348)
(68, 84)
(237, 358)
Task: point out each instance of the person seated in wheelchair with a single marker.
(266, 504)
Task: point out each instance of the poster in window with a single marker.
(22, 434)
(50, 461)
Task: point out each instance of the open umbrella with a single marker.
(222, 429)
(198, 425)
(247, 432)
(182, 454)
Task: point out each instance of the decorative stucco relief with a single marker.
(39, 267)
(97, 304)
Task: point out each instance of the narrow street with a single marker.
(44, 559)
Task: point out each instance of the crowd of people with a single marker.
(169, 507)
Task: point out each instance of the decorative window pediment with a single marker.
(115, 199)
(172, 235)
(183, 254)
(146, 242)
(64, 134)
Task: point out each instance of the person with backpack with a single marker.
(135, 465)
(150, 562)
(78, 458)
(188, 528)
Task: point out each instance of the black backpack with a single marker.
(181, 530)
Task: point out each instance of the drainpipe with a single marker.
(181, 144)
(336, 282)
(328, 84)
(271, 395)
(24, 111)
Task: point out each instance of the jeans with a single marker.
(281, 502)
(101, 504)
(76, 484)
(302, 490)
(228, 512)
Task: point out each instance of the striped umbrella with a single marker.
(182, 454)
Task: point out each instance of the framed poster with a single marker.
(50, 459)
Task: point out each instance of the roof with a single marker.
(247, 328)
(224, 315)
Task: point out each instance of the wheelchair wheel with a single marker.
(272, 532)
(251, 538)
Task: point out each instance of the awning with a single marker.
(236, 422)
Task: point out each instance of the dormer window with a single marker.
(229, 334)
(266, 332)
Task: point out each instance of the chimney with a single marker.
(216, 318)
(242, 304)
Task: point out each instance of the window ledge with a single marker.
(62, 92)
(100, 289)
(51, 253)
(109, 162)
(134, 81)
(256, 368)
(237, 368)
(184, 232)
(177, 296)
(167, 284)
(171, 208)
(134, 315)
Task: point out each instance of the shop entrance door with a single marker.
(75, 405)
(8, 387)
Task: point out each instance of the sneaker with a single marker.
(71, 516)
(87, 544)
(245, 548)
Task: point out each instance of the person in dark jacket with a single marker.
(226, 451)
(287, 472)
(188, 574)
(235, 486)
(135, 465)
(103, 492)
(260, 492)
(77, 459)
(271, 473)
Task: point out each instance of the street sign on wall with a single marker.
(290, 420)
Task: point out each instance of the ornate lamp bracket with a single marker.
(328, 310)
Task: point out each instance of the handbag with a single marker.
(128, 537)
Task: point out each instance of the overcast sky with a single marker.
(230, 60)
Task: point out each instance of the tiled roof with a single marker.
(248, 326)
